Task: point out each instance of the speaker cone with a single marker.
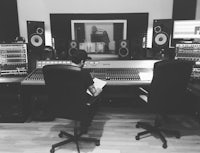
(39, 31)
(123, 44)
(157, 29)
(73, 44)
(161, 39)
(123, 52)
(36, 40)
(72, 51)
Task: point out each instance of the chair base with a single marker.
(156, 130)
(73, 138)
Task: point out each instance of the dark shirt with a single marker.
(88, 81)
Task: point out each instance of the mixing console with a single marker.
(114, 72)
(34, 78)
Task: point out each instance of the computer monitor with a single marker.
(99, 38)
(186, 29)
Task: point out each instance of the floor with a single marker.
(114, 126)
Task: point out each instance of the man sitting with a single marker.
(78, 60)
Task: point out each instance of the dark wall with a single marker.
(137, 24)
(184, 9)
(9, 26)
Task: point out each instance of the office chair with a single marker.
(166, 94)
(66, 92)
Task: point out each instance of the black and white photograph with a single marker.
(99, 76)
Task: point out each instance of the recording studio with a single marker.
(145, 53)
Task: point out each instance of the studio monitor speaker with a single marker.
(36, 42)
(73, 48)
(36, 34)
(162, 31)
(123, 51)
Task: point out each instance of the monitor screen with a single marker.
(186, 29)
(99, 37)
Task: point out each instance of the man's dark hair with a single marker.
(79, 56)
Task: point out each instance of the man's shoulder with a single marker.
(85, 70)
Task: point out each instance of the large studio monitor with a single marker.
(162, 31)
(36, 42)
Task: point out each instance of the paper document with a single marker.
(146, 75)
(98, 83)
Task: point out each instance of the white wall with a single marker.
(39, 10)
(198, 10)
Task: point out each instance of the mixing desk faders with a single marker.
(114, 72)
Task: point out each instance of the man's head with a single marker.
(80, 57)
(94, 29)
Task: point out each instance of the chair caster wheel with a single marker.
(97, 143)
(164, 145)
(60, 135)
(137, 138)
(52, 150)
(137, 126)
(178, 136)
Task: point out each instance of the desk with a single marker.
(34, 83)
(10, 80)
(10, 99)
(194, 89)
(22, 91)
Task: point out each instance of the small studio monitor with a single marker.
(36, 34)
(162, 31)
(73, 48)
(123, 51)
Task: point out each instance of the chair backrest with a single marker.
(169, 84)
(66, 91)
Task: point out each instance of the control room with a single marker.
(109, 76)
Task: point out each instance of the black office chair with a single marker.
(166, 94)
(67, 99)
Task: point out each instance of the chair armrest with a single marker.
(144, 94)
(143, 91)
